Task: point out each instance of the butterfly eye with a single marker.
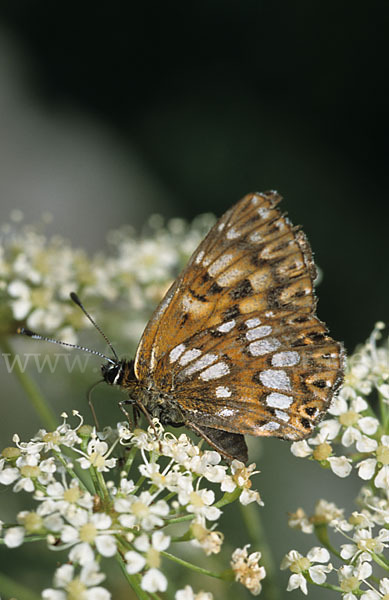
(112, 374)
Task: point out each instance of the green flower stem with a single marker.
(103, 487)
(73, 474)
(139, 483)
(329, 586)
(169, 496)
(380, 560)
(228, 497)
(130, 459)
(321, 532)
(133, 580)
(195, 568)
(10, 588)
(42, 409)
(186, 537)
(252, 519)
(384, 412)
(180, 519)
(95, 481)
(30, 538)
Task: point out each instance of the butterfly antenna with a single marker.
(77, 301)
(37, 336)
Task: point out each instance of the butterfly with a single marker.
(235, 347)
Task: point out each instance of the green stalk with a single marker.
(380, 560)
(192, 567)
(73, 474)
(321, 532)
(44, 412)
(133, 580)
(254, 527)
(12, 589)
(130, 459)
(103, 487)
(384, 412)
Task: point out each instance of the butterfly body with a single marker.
(235, 347)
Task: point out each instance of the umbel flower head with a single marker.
(38, 273)
(128, 515)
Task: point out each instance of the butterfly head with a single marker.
(117, 373)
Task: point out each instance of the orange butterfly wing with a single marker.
(235, 342)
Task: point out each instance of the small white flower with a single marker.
(84, 584)
(350, 578)
(209, 540)
(340, 465)
(88, 531)
(64, 499)
(154, 581)
(141, 510)
(200, 503)
(299, 520)
(247, 570)
(134, 561)
(8, 474)
(188, 594)
(364, 545)
(378, 466)
(301, 449)
(97, 457)
(14, 537)
(300, 564)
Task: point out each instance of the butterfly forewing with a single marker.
(235, 342)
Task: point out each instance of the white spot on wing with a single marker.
(176, 352)
(221, 226)
(199, 257)
(225, 412)
(271, 426)
(216, 371)
(283, 416)
(275, 379)
(277, 400)
(220, 264)
(285, 359)
(229, 277)
(232, 234)
(254, 322)
(255, 237)
(258, 332)
(199, 364)
(226, 327)
(222, 392)
(261, 347)
(263, 212)
(189, 355)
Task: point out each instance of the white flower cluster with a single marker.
(38, 273)
(352, 425)
(127, 519)
(352, 422)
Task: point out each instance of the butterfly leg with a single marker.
(92, 408)
(230, 445)
(125, 412)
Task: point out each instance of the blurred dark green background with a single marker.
(113, 111)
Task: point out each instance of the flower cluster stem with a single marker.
(192, 567)
(253, 523)
(38, 403)
(133, 580)
(11, 589)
